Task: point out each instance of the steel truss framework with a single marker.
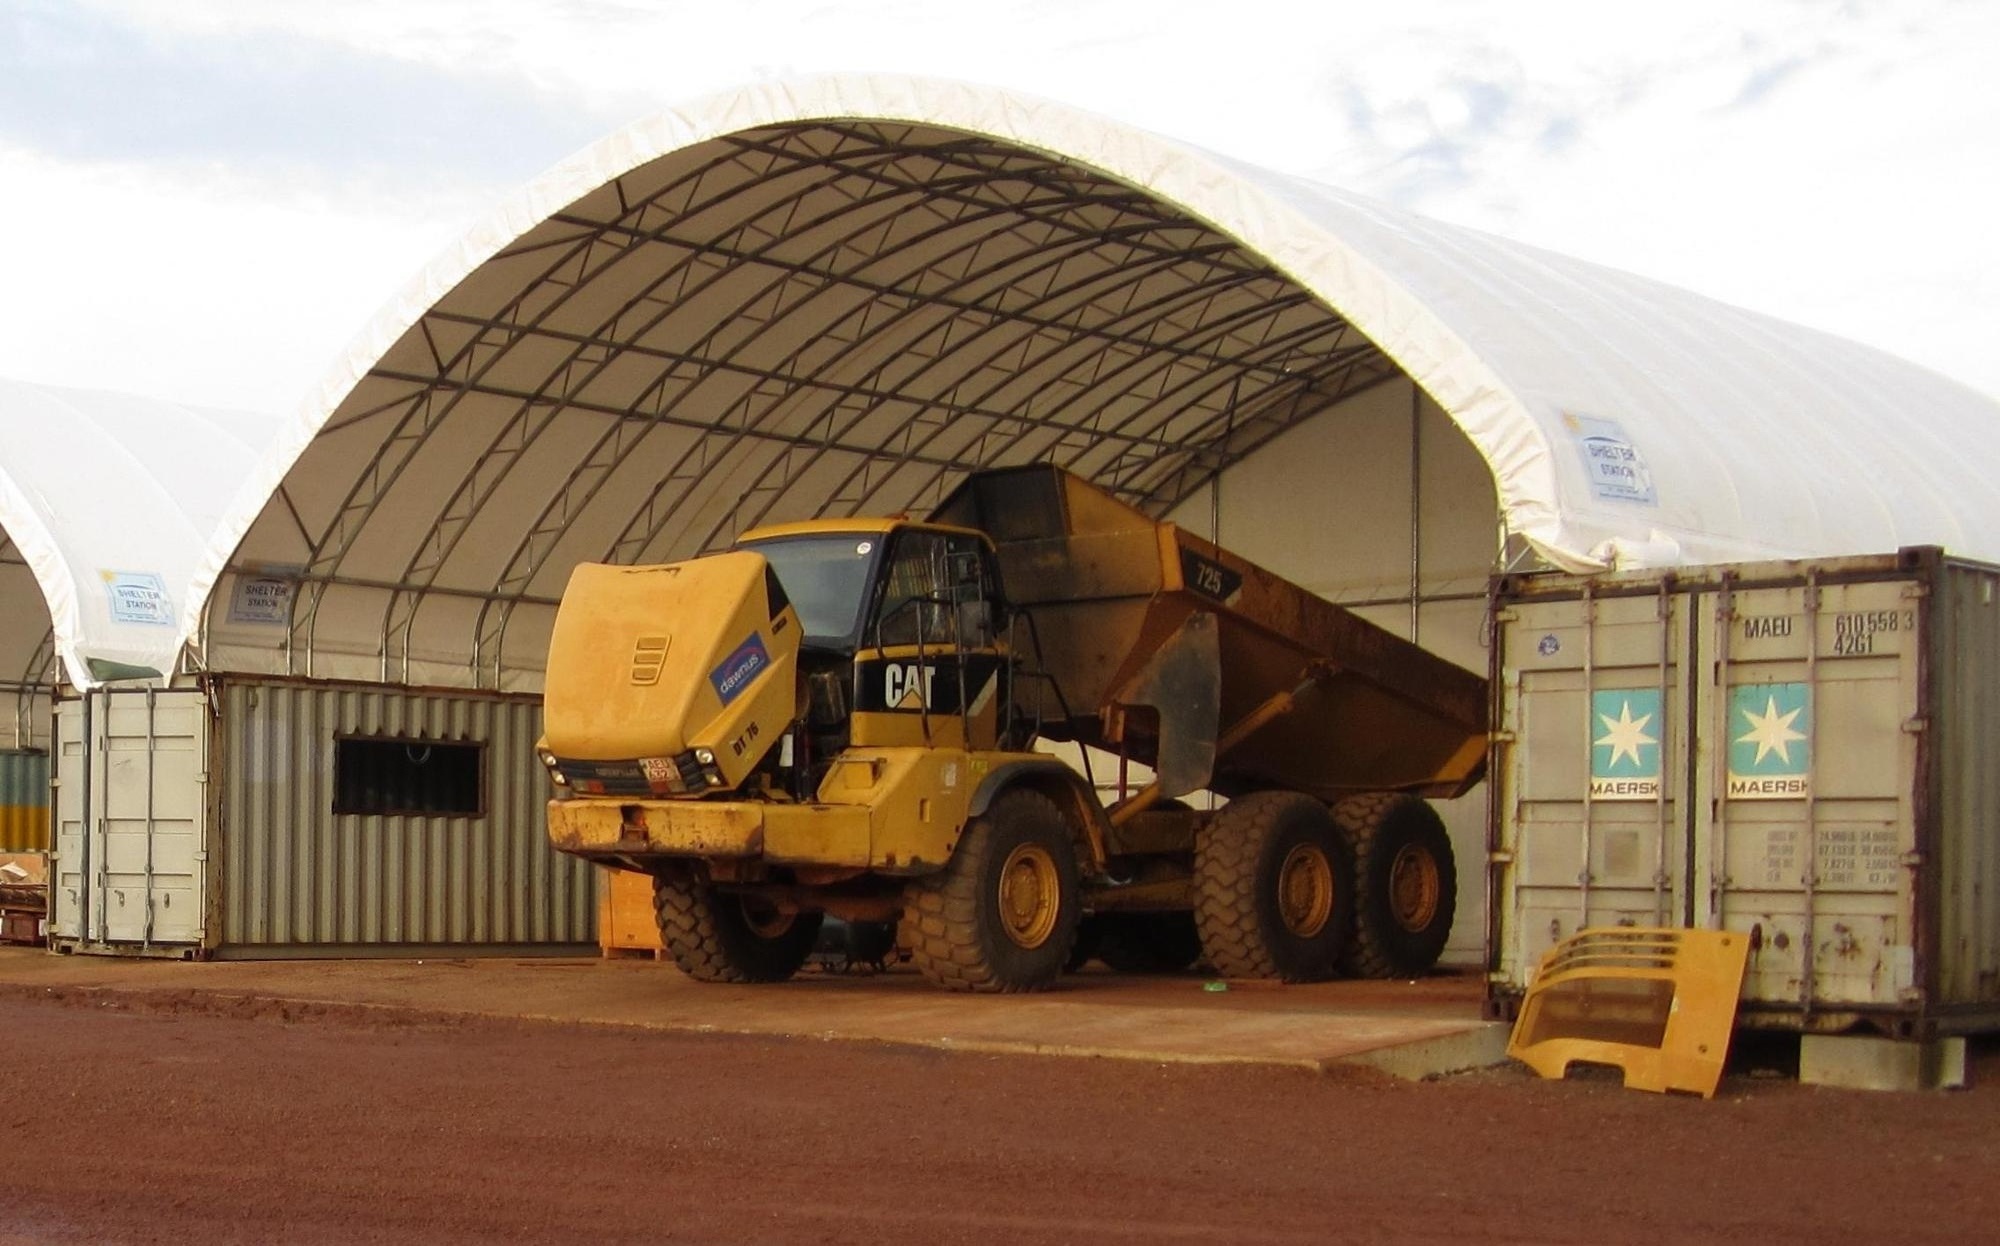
(813, 319)
(36, 678)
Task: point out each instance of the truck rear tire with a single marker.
(718, 936)
(1406, 884)
(1002, 915)
(1273, 889)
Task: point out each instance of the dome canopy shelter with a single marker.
(839, 296)
(107, 502)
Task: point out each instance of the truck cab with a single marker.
(900, 636)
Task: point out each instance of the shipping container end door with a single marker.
(1591, 770)
(131, 867)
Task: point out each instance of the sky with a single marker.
(205, 200)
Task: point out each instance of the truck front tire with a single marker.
(1002, 915)
(1273, 889)
(718, 936)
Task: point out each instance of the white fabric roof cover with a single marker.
(838, 295)
(111, 501)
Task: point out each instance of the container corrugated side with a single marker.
(24, 800)
(296, 875)
(1965, 787)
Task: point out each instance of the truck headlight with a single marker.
(554, 766)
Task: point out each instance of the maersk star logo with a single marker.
(1770, 741)
(1769, 719)
(1772, 733)
(1625, 736)
(1625, 744)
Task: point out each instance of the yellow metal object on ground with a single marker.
(1658, 1004)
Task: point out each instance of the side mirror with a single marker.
(975, 620)
(962, 569)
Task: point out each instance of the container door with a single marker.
(1590, 779)
(1807, 774)
(67, 868)
(132, 869)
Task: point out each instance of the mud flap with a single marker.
(1658, 1004)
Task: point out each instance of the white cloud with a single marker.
(196, 288)
(1821, 161)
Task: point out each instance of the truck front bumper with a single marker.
(636, 829)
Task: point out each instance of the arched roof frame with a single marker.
(840, 295)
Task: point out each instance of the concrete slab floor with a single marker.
(1411, 1029)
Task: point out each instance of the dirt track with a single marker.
(149, 1118)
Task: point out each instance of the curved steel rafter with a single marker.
(399, 613)
(1080, 440)
(421, 414)
(852, 494)
(527, 561)
(1082, 293)
(731, 434)
(1009, 302)
(650, 518)
(555, 394)
(38, 680)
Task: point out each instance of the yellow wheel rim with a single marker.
(1414, 888)
(1030, 895)
(766, 920)
(1305, 890)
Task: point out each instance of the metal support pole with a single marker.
(1416, 509)
(1583, 878)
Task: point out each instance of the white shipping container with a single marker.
(1799, 751)
(270, 817)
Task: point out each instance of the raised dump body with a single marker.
(1252, 681)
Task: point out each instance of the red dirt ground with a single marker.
(128, 1118)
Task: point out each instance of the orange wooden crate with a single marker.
(625, 914)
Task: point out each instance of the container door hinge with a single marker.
(1916, 726)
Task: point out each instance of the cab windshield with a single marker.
(826, 577)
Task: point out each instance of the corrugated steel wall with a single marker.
(24, 801)
(1969, 854)
(294, 873)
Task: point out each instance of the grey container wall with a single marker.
(296, 877)
(1802, 751)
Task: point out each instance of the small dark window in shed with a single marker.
(420, 777)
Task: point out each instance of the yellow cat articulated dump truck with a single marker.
(839, 718)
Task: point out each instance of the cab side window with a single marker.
(934, 588)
